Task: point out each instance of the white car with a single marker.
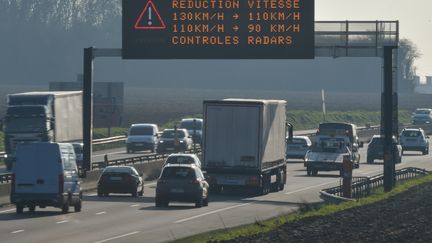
(298, 147)
(183, 159)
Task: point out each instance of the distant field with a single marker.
(166, 106)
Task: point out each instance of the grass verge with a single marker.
(326, 209)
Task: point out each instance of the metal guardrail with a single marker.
(365, 186)
(109, 140)
(139, 159)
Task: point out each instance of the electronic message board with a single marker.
(218, 29)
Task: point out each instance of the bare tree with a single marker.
(407, 54)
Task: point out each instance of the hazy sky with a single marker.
(415, 20)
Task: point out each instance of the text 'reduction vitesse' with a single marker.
(217, 22)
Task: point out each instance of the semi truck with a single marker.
(244, 143)
(41, 117)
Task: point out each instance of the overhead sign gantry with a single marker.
(218, 29)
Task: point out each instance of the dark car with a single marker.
(181, 183)
(376, 149)
(174, 140)
(120, 179)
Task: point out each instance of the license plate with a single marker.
(176, 190)
(115, 178)
(169, 149)
(138, 144)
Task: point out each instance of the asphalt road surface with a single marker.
(122, 218)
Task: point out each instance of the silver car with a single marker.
(298, 147)
(183, 159)
(414, 139)
(181, 183)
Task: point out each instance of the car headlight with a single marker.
(161, 141)
(181, 141)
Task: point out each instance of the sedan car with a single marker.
(174, 140)
(376, 150)
(414, 139)
(120, 179)
(181, 183)
(183, 159)
(298, 147)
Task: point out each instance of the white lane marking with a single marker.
(17, 231)
(118, 237)
(134, 205)
(212, 212)
(9, 210)
(100, 213)
(309, 187)
(62, 222)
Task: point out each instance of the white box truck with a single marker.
(244, 144)
(52, 116)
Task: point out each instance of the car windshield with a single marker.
(181, 173)
(125, 170)
(171, 133)
(297, 141)
(141, 131)
(422, 112)
(330, 145)
(78, 148)
(411, 133)
(189, 125)
(180, 160)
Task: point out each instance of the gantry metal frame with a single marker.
(332, 39)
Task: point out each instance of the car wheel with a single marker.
(205, 202)
(141, 193)
(32, 208)
(78, 206)
(134, 194)
(199, 202)
(65, 207)
(19, 208)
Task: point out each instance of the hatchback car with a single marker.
(422, 116)
(414, 139)
(298, 147)
(120, 179)
(376, 150)
(181, 183)
(190, 159)
(174, 140)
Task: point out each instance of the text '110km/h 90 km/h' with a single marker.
(218, 29)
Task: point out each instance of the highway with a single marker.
(126, 219)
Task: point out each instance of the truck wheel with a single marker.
(78, 206)
(283, 180)
(65, 207)
(32, 208)
(19, 208)
(265, 188)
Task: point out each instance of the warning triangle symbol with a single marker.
(150, 18)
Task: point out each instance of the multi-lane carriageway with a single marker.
(125, 219)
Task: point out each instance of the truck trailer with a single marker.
(244, 142)
(41, 117)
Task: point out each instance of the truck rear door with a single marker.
(232, 136)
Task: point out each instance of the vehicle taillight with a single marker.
(253, 180)
(13, 183)
(61, 183)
